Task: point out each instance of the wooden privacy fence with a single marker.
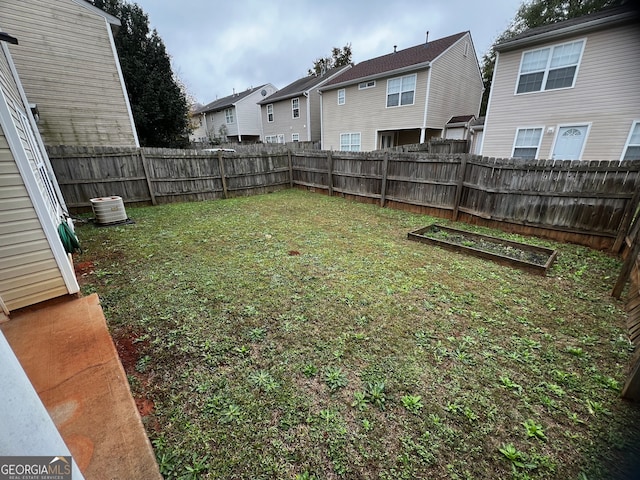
(585, 202)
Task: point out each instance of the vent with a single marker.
(108, 210)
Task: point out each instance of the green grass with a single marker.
(365, 355)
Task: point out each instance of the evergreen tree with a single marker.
(340, 57)
(535, 14)
(158, 101)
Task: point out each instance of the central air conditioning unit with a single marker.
(109, 210)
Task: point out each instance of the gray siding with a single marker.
(606, 95)
(67, 66)
(283, 121)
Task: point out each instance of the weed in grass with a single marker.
(309, 370)
(142, 364)
(257, 334)
(360, 401)
(534, 429)
(576, 351)
(230, 414)
(516, 457)
(412, 403)
(511, 385)
(335, 378)
(376, 394)
(305, 476)
(264, 381)
(367, 426)
(242, 350)
(596, 408)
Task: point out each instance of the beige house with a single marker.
(70, 70)
(234, 119)
(292, 114)
(569, 90)
(403, 97)
(33, 261)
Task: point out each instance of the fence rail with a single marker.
(583, 202)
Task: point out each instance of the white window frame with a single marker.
(295, 137)
(627, 144)
(281, 138)
(569, 125)
(365, 85)
(228, 116)
(537, 147)
(400, 104)
(351, 143)
(342, 96)
(547, 68)
(271, 138)
(295, 107)
(270, 113)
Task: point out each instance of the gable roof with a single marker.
(302, 85)
(418, 56)
(462, 119)
(227, 102)
(605, 18)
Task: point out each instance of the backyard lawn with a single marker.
(297, 336)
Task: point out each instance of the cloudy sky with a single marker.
(217, 46)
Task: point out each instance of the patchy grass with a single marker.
(296, 336)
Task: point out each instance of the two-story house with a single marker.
(569, 90)
(403, 97)
(235, 118)
(292, 114)
(67, 60)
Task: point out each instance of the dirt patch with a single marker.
(84, 272)
(129, 349)
(293, 252)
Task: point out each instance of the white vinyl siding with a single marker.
(632, 148)
(609, 102)
(401, 91)
(342, 94)
(350, 142)
(527, 143)
(67, 67)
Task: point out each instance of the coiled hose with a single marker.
(68, 238)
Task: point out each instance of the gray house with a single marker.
(292, 114)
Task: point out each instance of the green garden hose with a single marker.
(68, 238)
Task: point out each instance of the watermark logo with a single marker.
(35, 468)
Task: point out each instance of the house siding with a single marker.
(456, 84)
(365, 111)
(283, 121)
(67, 66)
(606, 95)
(30, 272)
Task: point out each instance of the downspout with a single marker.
(423, 131)
(321, 121)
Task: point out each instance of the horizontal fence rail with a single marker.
(576, 200)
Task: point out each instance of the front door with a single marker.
(386, 140)
(569, 142)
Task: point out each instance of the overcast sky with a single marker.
(217, 46)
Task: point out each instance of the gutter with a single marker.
(388, 73)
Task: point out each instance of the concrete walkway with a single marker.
(66, 351)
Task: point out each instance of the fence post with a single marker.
(290, 169)
(145, 167)
(383, 187)
(330, 170)
(460, 186)
(222, 175)
(626, 221)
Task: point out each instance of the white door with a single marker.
(569, 142)
(387, 140)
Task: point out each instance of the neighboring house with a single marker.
(459, 127)
(70, 70)
(235, 118)
(569, 90)
(292, 114)
(33, 261)
(402, 98)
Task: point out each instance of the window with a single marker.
(527, 143)
(274, 138)
(228, 115)
(549, 68)
(632, 151)
(295, 108)
(295, 137)
(281, 138)
(270, 112)
(369, 84)
(350, 142)
(341, 96)
(400, 91)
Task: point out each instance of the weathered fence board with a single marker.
(582, 200)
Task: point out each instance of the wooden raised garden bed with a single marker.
(506, 252)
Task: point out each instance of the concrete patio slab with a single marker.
(66, 351)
